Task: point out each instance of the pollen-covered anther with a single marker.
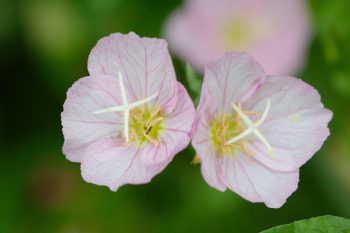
(146, 123)
(252, 128)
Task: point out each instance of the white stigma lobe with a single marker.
(126, 107)
(252, 127)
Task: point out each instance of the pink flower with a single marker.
(276, 33)
(254, 132)
(127, 120)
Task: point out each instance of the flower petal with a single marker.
(231, 79)
(176, 133)
(112, 163)
(80, 125)
(285, 51)
(296, 125)
(211, 168)
(276, 33)
(201, 141)
(197, 46)
(257, 183)
(144, 63)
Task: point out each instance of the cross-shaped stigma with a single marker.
(252, 127)
(126, 107)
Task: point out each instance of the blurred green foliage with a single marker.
(44, 49)
(194, 82)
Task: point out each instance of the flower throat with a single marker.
(146, 124)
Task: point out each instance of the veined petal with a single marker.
(106, 161)
(144, 63)
(201, 141)
(296, 125)
(232, 79)
(211, 168)
(80, 125)
(257, 183)
(176, 133)
(74, 149)
(112, 163)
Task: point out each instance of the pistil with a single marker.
(125, 107)
(252, 127)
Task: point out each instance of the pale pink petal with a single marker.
(74, 149)
(141, 173)
(257, 183)
(201, 141)
(296, 125)
(231, 79)
(285, 52)
(176, 133)
(144, 63)
(112, 163)
(211, 167)
(196, 47)
(278, 32)
(106, 161)
(80, 125)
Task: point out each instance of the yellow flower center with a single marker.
(241, 33)
(223, 129)
(227, 133)
(146, 125)
(237, 34)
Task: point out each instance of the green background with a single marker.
(44, 45)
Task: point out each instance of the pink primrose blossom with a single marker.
(253, 132)
(126, 121)
(276, 33)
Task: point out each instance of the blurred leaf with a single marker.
(333, 170)
(194, 83)
(341, 83)
(55, 29)
(330, 49)
(55, 32)
(7, 19)
(331, 26)
(326, 224)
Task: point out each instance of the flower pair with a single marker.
(128, 119)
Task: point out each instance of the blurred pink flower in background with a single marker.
(276, 33)
(254, 132)
(127, 120)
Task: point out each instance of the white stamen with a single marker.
(252, 127)
(126, 107)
